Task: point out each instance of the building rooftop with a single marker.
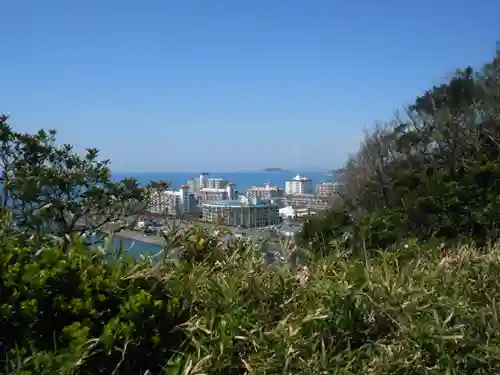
(264, 188)
(300, 178)
(235, 203)
(213, 190)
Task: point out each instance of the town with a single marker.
(259, 212)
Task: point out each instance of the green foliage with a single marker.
(50, 189)
(319, 231)
(433, 174)
(72, 313)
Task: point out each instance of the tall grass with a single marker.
(413, 310)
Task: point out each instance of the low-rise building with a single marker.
(307, 201)
(326, 189)
(299, 186)
(243, 213)
(266, 192)
(289, 212)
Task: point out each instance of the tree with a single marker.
(434, 172)
(50, 189)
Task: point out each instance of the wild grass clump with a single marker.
(415, 310)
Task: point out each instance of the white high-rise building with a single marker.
(203, 180)
(170, 202)
(185, 202)
(231, 191)
(299, 186)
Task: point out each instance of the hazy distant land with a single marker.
(276, 170)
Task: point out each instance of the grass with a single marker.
(411, 310)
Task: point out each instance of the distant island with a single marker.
(275, 170)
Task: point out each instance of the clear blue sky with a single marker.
(163, 85)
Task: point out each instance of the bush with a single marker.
(76, 313)
(432, 174)
(415, 310)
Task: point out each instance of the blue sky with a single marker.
(163, 85)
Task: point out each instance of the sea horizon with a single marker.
(242, 180)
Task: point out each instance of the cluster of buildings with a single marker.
(216, 200)
(208, 189)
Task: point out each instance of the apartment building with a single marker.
(307, 201)
(194, 186)
(216, 183)
(206, 188)
(218, 194)
(266, 192)
(299, 185)
(326, 189)
(171, 202)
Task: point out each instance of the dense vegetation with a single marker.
(432, 173)
(415, 311)
(417, 187)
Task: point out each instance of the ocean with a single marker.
(243, 180)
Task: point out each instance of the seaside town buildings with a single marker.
(217, 200)
(207, 189)
(244, 212)
(310, 201)
(300, 195)
(326, 189)
(228, 192)
(172, 202)
(299, 186)
(266, 192)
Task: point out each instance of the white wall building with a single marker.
(205, 188)
(299, 186)
(170, 202)
(218, 194)
(290, 212)
(244, 213)
(307, 200)
(266, 192)
(326, 189)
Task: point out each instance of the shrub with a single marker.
(76, 313)
(432, 173)
(415, 310)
